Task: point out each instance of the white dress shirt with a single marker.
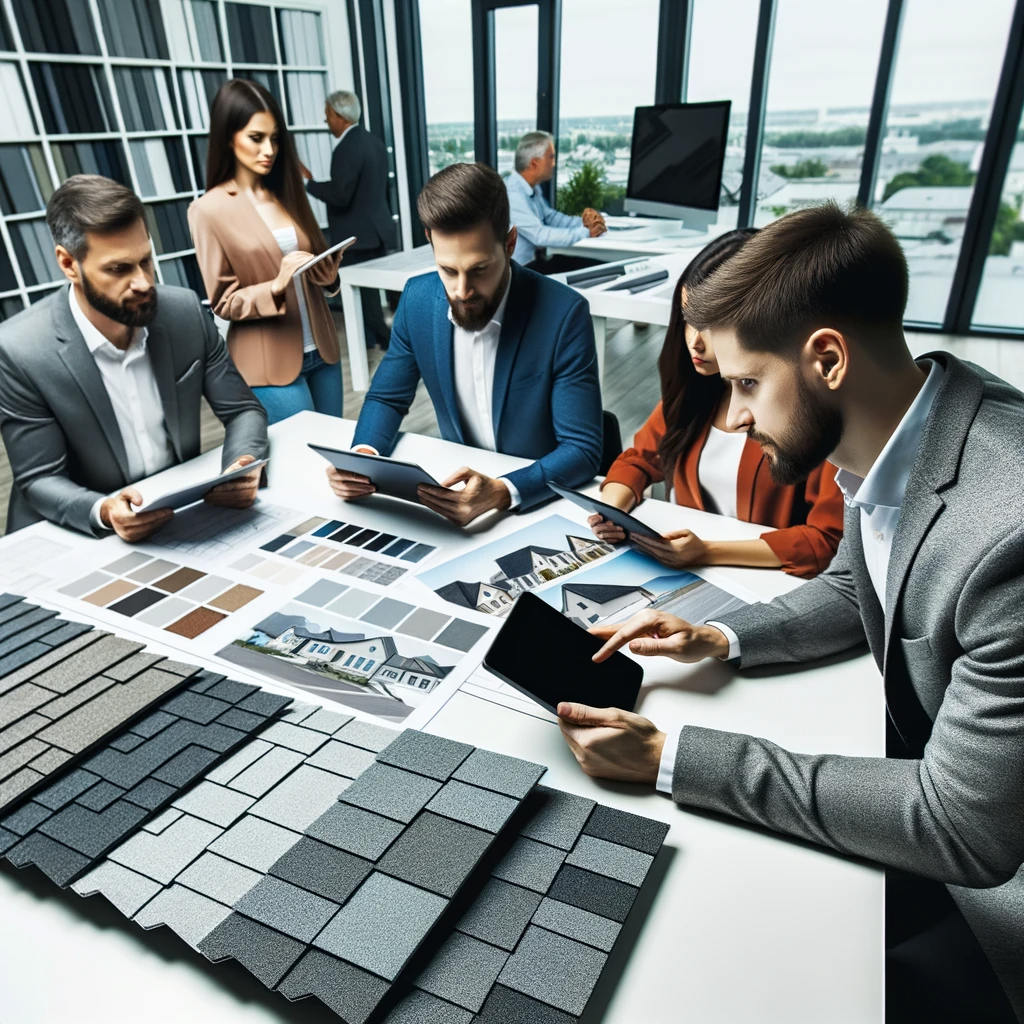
(719, 468)
(288, 241)
(879, 496)
(131, 386)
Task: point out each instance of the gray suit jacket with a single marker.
(58, 425)
(950, 647)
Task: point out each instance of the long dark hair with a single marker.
(689, 399)
(233, 107)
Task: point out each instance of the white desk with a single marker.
(743, 927)
(640, 236)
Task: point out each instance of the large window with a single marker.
(819, 99)
(515, 78)
(598, 98)
(947, 67)
(446, 31)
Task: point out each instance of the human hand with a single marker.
(612, 744)
(349, 486)
(677, 549)
(652, 633)
(237, 493)
(597, 228)
(480, 495)
(119, 514)
(590, 217)
(305, 171)
(605, 529)
(290, 262)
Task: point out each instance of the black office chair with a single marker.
(611, 444)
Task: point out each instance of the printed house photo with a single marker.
(372, 670)
(631, 583)
(489, 579)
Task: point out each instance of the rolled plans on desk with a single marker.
(635, 282)
(587, 276)
(593, 282)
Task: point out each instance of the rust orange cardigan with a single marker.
(808, 517)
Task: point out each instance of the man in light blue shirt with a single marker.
(538, 225)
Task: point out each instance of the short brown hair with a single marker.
(819, 267)
(90, 203)
(461, 196)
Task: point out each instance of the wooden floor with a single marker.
(631, 387)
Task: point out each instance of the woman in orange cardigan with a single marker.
(687, 440)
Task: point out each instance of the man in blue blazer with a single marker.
(507, 356)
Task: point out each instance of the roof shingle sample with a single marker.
(463, 971)
(90, 809)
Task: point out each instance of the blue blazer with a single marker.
(547, 399)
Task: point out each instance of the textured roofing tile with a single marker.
(238, 762)
(500, 914)
(506, 1006)
(305, 741)
(281, 905)
(25, 818)
(7, 840)
(78, 696)
(132, 666)
(577, 924)
(152, 724)
(420, 1007)
(329, 872)
(298, 712)
(196, 707)
(214, 803)
(18, 658)
(18, 784)
(20, 756)
(342, 759)
(381, 925)
(426, 754)
(301, 798)
(21, 730)
(596, 893)
(266, 772)
(162, 857)
(390, 791)
(150, 793)
(97, 797)
(366, 735)
(530, 864)
(355, 830)
(126, 742)
(68, 631)
(479, 807)
(255, 843)
(92, 832)
(230, 690)
(262, 951)
(162, 820)
(351, 993)
(615, 826)
(244, 720)
(186, 913)
(463, 971)
(20, 701)
(262, 702)
(184, 767)
(51, 760)
(48, 659)
(326, 721)
(126, 889)
(91, 661)
(561, 818)
(611, 859)
(54, 859)
(222, 880)
(66, 788)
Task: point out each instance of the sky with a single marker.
(825, 54)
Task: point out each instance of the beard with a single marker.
(138, 314)
(811, 439)
(477, 317)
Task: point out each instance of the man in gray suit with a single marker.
(100, 383)
(806, 324)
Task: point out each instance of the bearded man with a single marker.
(507, 356)
(101, 382)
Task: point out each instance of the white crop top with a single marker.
(719, 469)
(288, 241)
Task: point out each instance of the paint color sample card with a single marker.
(68, 825)
(160, 593)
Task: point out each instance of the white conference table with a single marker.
(734, 924)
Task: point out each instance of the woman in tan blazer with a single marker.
(252, 230)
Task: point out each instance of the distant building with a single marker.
(933, 211)
(489, 598)
(417, 673)
(350, 654)
(530, 566)
(588, 603)
(799, 195)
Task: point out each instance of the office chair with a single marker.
(611, 444)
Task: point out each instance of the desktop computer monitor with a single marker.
(676, 165)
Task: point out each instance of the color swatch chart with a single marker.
(396, 616)
(321, 543)
(160, 593)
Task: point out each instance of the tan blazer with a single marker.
(239, 259)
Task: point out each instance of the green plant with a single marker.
(812, 168)
(1009, 229)
(585, 188)
(934, 170)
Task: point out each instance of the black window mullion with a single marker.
(675, 18)
(755, 117)
(549, 73)
(485, 140)
(410, 69)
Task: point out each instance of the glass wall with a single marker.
(446, 31)
(515, 78)
(1000, 302)
(820, 88)
(947, 68)
(597, 100)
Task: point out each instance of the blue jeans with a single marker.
(318, 388)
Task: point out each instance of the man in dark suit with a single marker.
(100, 383)
(357, 198)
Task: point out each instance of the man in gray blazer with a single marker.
(806, 324)
(100, 383)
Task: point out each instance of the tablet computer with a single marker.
(548, 659)
(615, 515)
(389, 476)
(192, 493)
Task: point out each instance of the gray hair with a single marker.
(345, 104)
(532, 144)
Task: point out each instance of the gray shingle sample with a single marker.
(126, 741)
(60, 706)
(196, 707)
(611, 859)
(531, 864)
(162, 820)
(126, 889)
(355, 830)
(18, 784)
(436, 853)
(7, 840)
(506, 1006)
(218, 878)
(577, 924)
(463, 971)
(184, 767)
(301, 798)
(214, 803)
(89, 662)
(474, 806)
(560, 820)
(229, 690)
(92, 832)
(322, 869)
(366, 735)
(162, 857)
(298, 712)
(51, 760)
(54, 859)
(351, 993)
(255, 843)
(187, 913)
(124, 670)
(150, 794)
(500, 914)
(20, 701)
(238, 762)
(294, 737)
(281, 905)
(326, 721)
(49, 659)
(596, 893)
(420, 1007)
(615, 826)
(66, 788)
(266, 772)
(429, 755)
(389, 791)
(554, 969)
(262, 702)
(25, 818)
(20, 756)
(22, 657)
(244, 720)
(342, 759)
(152, 724)
(260, 950)
(381, 925)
